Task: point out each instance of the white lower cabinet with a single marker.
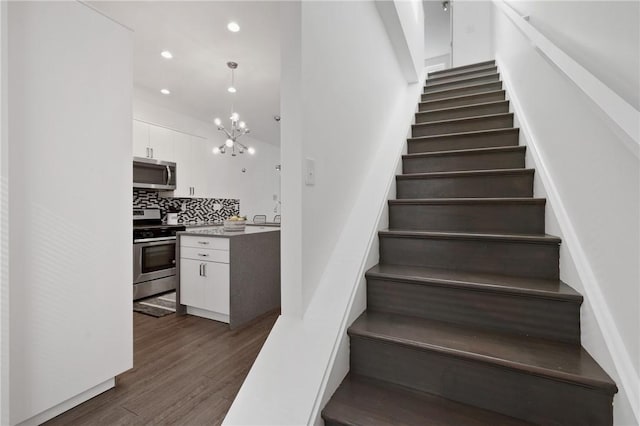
(205, 285)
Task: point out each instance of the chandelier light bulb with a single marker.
(216, 150)
(242, 124)
(251, 150)
(217, 122)
(231, 89)
(166, 54)
(228, 143)
(233, 27)
(234, 116)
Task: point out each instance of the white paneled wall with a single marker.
(70, 79)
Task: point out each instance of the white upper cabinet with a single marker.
(190, 157)
(191, 154)
(182, 157)
(140, 139)
(151, 141)
(161, 143)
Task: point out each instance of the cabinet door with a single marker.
(197, 165)
(216, 288)
(140, 139)
(161, 143)
(183, 159)
(192, 283)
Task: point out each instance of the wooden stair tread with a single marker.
(475, 132)
(462, 67)
(478, 281)
(486, 68)
(461, 88)
(545, 358)
(524, 238)
(475, 118)
(364, 401)
(471, 151)
(435, 83)
(463, 173)
(440, 201)
(475, 95)
(462, 107)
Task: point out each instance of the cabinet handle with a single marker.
(203, 242)
(151, 152)
(204, 269)
(201, 269)
(168, 175)
(147, 152)
(203, 255)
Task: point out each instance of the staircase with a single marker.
(467, 322)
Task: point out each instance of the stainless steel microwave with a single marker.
(154, 174)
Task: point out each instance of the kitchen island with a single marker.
(231, 277)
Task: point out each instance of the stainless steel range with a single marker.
(154, 253)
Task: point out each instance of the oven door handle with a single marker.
(151, 241)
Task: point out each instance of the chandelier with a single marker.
(237, 129)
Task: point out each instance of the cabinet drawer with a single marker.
(204, 242)
(208, 255)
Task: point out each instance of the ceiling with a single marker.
(196, 34)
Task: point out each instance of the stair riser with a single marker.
(462, 101)
(482, 218)
(472, 111)
(449, 143)
(485, 186)
(462, 162)
(458, 70)
(461, 82)
(532, 316)
(514, 393)
(472, 125)
(461, 74)
(536, 260)
(489, 87)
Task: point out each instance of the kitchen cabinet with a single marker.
(190, 156)
(205, 285)
(140, 139)
(232, 277)
(151, 141)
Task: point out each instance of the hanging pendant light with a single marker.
(237, 129)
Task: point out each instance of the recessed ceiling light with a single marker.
(231, 89)
(166, 54)
(233, 27)
(165, 91)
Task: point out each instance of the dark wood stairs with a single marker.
(467, 321)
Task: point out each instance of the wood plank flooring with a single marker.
(187, 371)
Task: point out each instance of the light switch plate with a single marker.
(310, 172)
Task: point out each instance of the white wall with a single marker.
(472, 35)
(601, 35)
(4, 222)
(255, 188)
(437, 31)
(403, 21)
(354, 113)
(70, 78)
(590, 178)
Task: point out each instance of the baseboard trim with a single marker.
(215, 316)
(69, 403)
(615, 345)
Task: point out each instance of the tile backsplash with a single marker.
(197, 209)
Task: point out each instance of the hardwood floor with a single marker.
(187, 371)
